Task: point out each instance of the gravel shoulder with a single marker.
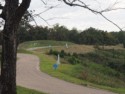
(29, 76)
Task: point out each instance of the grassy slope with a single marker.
(40, 43)
(66, 71)
(46, 66)
(72, 48)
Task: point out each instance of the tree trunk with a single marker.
(8, 67)
(13, 15)
(9, 49)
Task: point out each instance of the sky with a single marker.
(77, 17)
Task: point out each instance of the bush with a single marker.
(51, 52)
(73, 60)
(68, 54)
(75, 55)
(62, 53)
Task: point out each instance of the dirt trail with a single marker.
(29, 75)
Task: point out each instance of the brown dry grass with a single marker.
(117, 47)
(71, 49)
(79, 48)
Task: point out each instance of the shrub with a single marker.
(73, 60)
(62, 53)
(51, 52)
(68, 54)
(75, 55)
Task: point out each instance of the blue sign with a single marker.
(55, 66)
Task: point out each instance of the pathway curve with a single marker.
(29, 75)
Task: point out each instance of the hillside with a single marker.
(87, 65)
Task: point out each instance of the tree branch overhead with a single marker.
(80, 3)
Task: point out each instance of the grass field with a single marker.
(116, 47)
(71, 49)
(66, 73)
(95, 75)
(40, 43)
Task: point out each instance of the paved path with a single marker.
(29, 75)
(30, 49)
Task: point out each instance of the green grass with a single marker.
(67, 72)
(22, 90)
(46, 65)
(40, 43)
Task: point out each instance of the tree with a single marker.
(73, 35)
(12, 13)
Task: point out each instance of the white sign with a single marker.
(58, 60)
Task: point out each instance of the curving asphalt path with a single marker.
(29, 75)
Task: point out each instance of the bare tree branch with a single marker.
(38, 15)
(83, 5)
(56, 18)
(45, 10)
(44, 2)
(109, 9)
(44, 20)
(29, 14)
(111, 21)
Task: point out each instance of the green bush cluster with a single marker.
(111, 58)
(73, 60)
(62, 53)
(114, 59)
(104, 67)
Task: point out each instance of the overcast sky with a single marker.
(78, 17)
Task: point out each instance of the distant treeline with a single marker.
(90, 36)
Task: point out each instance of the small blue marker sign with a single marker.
(55, 66)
